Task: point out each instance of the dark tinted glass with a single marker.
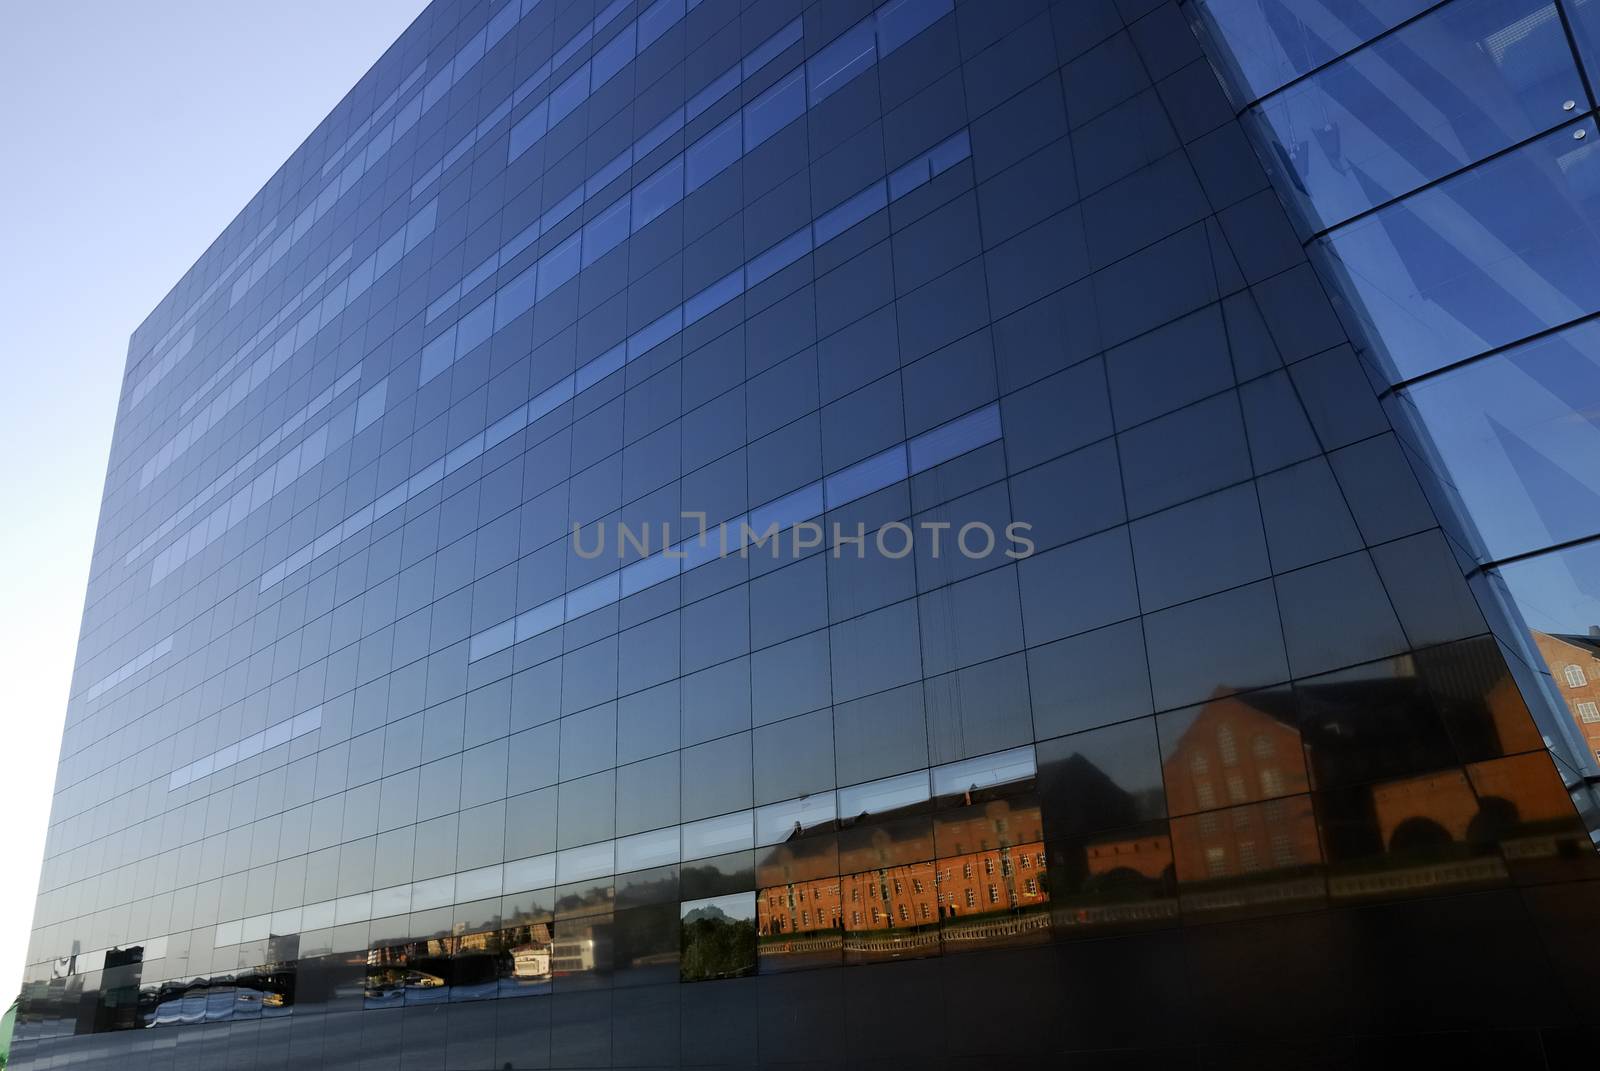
(1214, 749)
(1100, 779)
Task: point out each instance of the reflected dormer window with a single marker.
(1226, 747)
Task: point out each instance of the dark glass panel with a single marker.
(1093, 679)
(1100, 779)
(645, 945)
(1236, 749)
(585, 897)
(718, 876)
(1113, 882)
(644, 887)
(1408, 836)
(1369, 722)
(1477, 699)
(1257, 859)
(477, 958)
(581, 953)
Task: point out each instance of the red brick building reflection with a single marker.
(1235, 751)
(1574, 663)
(986, 884)
(1148, 855)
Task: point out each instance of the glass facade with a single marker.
(1438, 162)
(727, 533)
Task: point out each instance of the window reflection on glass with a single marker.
(800, 924)
(1558, 597)
(999, 894)
(970, 875)
(1483, 259)
(1246, 861)
(996, 776)
(889, 795)
(801, 857)
(1235, 749)
(1451, 88)
(884, 917)
(1517, 440)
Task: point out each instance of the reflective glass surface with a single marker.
(670, 532)
(1517, 440)
(1461, 256)
(1560, 601)
(1442, 92)
(1271, 42)
(1483, 259)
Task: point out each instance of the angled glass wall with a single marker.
(1439, 162)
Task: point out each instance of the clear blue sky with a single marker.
(133, 132)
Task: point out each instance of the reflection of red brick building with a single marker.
(991, 858)
(1233, 751)
(1441, 800)
(1277, 834)
(900, 896)
(1528, 783)
(1002, 879)
(799, 907)
(1515, 796)
(995, 864)
(1147, 856)
(1574, 663)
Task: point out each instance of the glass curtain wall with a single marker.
(372, 760)
(1442, 166)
